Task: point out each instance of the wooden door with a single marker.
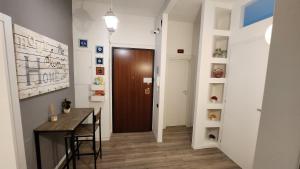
(132, 90)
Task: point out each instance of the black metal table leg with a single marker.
(67, 153)
(73, 150)
(38, 150)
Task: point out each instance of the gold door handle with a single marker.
(147, 91)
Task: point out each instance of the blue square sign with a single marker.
(83, 43)
(99, 49)
(99, 61)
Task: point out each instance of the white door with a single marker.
(12, 144)
(246, 81)
(177, 76)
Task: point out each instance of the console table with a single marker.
(66, 123)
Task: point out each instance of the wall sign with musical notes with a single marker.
(42, 63)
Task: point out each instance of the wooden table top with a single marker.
(66, 122)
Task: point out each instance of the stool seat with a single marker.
(85, 130)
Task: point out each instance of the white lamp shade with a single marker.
(111, 21)
(268, 35)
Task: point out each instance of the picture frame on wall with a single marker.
(99, 49)
(83, 43)
(99, 70)
(43, 73)
(99, 61)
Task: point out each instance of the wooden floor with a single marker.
(140, 151)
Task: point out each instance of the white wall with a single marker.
(278, 145)
(248, 58)
(180, 36)
(7, 147)
(134, 31)
(159, 76)
(12, 150)
(194, 64)
(184, 35)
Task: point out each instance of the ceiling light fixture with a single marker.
(111, 20)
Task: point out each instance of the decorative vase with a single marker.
(212, 117)
(212, 137)
(67, 110)
(218, 73)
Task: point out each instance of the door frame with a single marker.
(14, 101)
(112, 75)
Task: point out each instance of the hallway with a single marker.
(140, 151)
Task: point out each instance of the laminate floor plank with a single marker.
(140, 151)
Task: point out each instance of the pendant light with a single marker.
(111, 20)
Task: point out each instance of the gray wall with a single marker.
(52, 18)
(278, 145)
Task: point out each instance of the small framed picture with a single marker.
(99, 49)
(99, 70)
(83, 43)
(99, 61)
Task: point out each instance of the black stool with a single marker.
(88, 133)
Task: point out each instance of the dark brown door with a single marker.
(132, 90)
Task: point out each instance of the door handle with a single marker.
(259, 110)
(147, 91)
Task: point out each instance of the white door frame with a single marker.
(186, 59)
(13, 93)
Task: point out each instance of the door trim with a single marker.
(9, 58)
(112, 76)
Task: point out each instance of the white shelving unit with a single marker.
(217, 91)
(215, 34)
(96, 87)
(96, 98)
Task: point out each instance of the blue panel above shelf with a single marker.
(258, 10)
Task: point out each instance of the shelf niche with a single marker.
(212, 133)
(216, 93)
(220, 48)
(222, 19)
(214, 114)
(218, 70)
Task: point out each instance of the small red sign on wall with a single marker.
(180, 50)
(99, 70)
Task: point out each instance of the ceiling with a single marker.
(185, 10)
(149, 8)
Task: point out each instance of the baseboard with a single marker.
(214, 145)
(104, 138)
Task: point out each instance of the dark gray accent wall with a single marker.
(52, 18)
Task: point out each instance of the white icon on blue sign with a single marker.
(83, 43)
(99, 49)
(99, 61)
